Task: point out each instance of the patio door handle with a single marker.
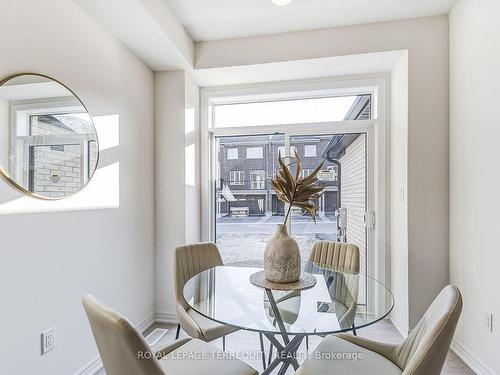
(369, 219)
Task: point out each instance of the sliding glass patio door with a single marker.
(344, 177)
(247, 208)
(246, 132)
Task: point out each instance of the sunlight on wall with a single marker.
(103, 190)
(108, 131)
(190, 153)
(189, 120)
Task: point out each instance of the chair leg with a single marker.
(270, 353)
(178, 331)
(262, 351)
(307, 343)
(354, 330)
(224, 343)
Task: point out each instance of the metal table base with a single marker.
(286, 354)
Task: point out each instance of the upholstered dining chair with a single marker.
(124, 351)
(337, 255)
(344, 256)
(344, 291)
(189, 261)
(422, 353)
(343, 288)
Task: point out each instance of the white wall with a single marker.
(192, 164)
(170, 95)
(474, 177)
(426, 40)
(398, 197)
(177, 181)
(50, 260)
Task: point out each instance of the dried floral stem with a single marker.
(287, 214)
(289, 208)
(296, 190)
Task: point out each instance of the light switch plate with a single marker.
(48, 340)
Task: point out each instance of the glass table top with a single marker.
(339, 302)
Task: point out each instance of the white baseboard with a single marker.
(95, 366)
(164, 317)
(470, 360)
(402, 329)
(146, 323)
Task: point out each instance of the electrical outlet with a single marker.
(48, 340)
(488, 322)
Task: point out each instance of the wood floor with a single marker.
(248, 343)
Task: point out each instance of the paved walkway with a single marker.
(243, 239)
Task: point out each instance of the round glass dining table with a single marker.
(340, 301)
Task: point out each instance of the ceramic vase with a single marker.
(282, 257)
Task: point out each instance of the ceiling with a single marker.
(337, 66)
(224, 19)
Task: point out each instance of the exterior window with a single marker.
(56, 153)
(310, 151)
(331, 174)
(306, 172)
(293, 111)
(237, 177)
(255, 153)
(281, 150)
(257, 180)
(232, 154)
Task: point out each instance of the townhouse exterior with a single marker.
(247, 164)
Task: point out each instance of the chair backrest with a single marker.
(425, 349)
(122, 348)
(336, 254)
(190, 260)
(344, 289)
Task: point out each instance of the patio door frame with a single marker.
(375, 130)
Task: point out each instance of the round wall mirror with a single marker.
(48, 142)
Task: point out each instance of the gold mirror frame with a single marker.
(3, 173)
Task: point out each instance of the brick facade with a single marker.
(56, 170)
(353, 193)
(248, 179)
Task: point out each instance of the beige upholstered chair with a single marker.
(422, 353)
(189, 261)
(124, 351)
(343, 287)
(345, 256)
(344, 290)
